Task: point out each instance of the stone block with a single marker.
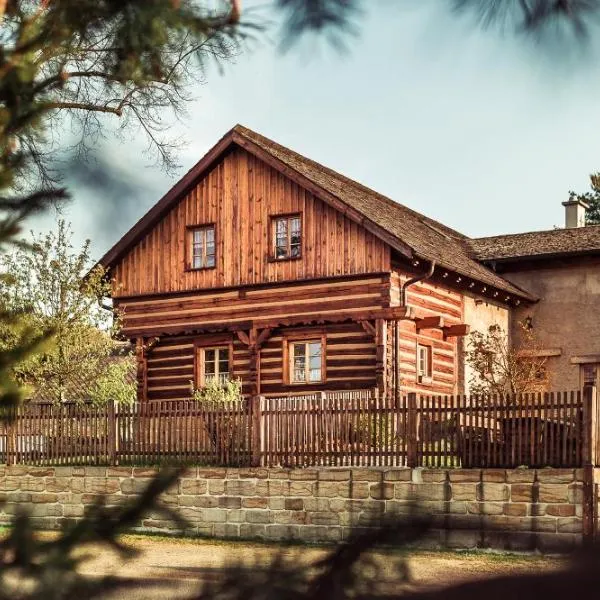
(485, 508)
(550, 475)
(463, 539)
(226, 530)
(464, 475)
(282, 532)
(434, 475)
(493, 475)
(522, 492)
(318, 533)
(308, 488)
(259, 516)
(520, 475)
(236, 516)
(120, 472)
(17, 497)
(274, 503)
(561, 510)
(398, 475)
(366, 474)
(230, 502)
(255, 502)
(553, 493)
(55, 484)
(77, 485)
(537, 509)
(213, 515)
(45, 510)
(63, 471)
(403, 491)
(324, 518)
(193, 486)
(32, 484)
(44, 497)
(77, 471)
(294, 504)
(515, 509)
(73, 510)
(40, 471)
(337, 505)
(558, 543)
(8, 484)
(317, 504)
(279, 473)
(464, 491)
(211, 473)
(240, 487)
(253, 473)
(335, 475)
(575, 493)
(287, 517)
(430, 491)
(381, 491)
(303, 475)
(252, 530)
(216, 486)
(271, 488)
(359, 489)
(95, 472)
(17, 470)
(569, 525)
(199, 501)
(101, 485)
(494, 492)
(128, 486)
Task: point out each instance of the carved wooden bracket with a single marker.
(459, 330)
(436, 322)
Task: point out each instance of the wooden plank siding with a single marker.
(428, 300)
(239, 195)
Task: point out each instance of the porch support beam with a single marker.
(436, 322)
(459, 330)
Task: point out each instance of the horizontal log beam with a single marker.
(459, 330)
(436, 322)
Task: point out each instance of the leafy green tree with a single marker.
(592, 197)
(44, 283)
(75, 63)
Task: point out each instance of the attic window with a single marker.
(287, 237)
(201, 247)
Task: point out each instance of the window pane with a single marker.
(209, 366)
(210, 235)
(197, 262)
(281, 227)
(299, 362)
(198, 235)
(295, 226)
(315, 375)
(224, 366)
(210, 260)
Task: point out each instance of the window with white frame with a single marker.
(214, 365)
(287, 237)
(424, 370)
(201, 241)
(306, 361)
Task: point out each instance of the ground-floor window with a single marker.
(306, 361)
(424, 363)
(214, 365)
(589, 375)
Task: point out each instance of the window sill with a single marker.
(192, 269)
(272, 259)
(425, 380)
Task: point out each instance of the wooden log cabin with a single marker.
(263, 265)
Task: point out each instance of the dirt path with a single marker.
(175, 568)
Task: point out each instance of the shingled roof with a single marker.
(411, 233)
(537, 244)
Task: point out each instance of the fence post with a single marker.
(11, 437)
(588, 448)
(111, 433)
(411, 430)
(256, 430)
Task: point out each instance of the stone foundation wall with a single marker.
(521, 509)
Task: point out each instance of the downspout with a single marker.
(403, 289)
(414, 280)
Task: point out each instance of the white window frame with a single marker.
(424, 375)
(221, 377)
(292, 359)
(204, 256)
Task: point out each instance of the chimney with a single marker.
(575, 213)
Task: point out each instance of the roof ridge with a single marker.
(538, 231)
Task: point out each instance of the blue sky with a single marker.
(484, 132)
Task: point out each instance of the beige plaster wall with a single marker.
(481, 315)
(566, 317)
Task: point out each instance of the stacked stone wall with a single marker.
(521, 509)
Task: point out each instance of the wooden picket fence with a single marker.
(357, 428)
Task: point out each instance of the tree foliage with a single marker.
(592, 198)
(500, 367)
(44, 284)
